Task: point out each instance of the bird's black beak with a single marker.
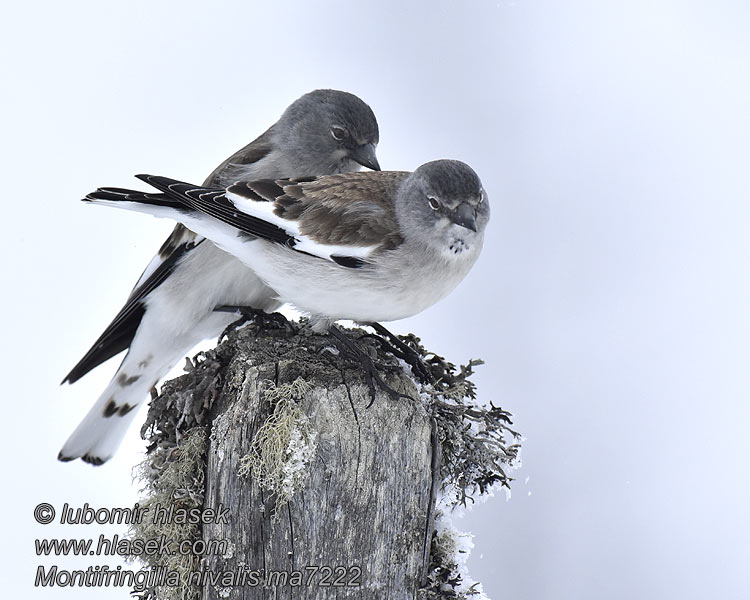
(365, 156)
(465, 216)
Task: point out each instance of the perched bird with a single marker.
(371, 246)
(173, 305)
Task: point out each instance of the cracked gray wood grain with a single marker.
(366, 500)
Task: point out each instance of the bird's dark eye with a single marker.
(339, 133)
(434, 203)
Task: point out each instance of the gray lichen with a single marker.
(477, 447)
(283, 446)
(172, 480)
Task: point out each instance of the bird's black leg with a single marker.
(351, 351)
(260, 318)
(406, 353)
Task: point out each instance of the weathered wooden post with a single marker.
(316, 495)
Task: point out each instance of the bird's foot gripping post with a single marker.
(351, 351)
(248, 314)
(406, 352)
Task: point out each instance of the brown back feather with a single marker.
(349, 209)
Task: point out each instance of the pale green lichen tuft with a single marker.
(283, 446)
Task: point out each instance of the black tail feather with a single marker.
(112, 194)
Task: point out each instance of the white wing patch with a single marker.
(305, 244)
(263, 209)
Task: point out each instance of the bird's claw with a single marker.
(261, 319)
(350, 351)
(396, 346)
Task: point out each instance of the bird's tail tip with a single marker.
(92, 457)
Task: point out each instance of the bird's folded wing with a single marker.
(181, 237)
(342, 218)
(120, 332)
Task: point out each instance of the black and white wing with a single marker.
(344, 218)
(120, 332)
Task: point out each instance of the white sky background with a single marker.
(610, 304)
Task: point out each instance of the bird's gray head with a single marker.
(444, 202)
(328, 131)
